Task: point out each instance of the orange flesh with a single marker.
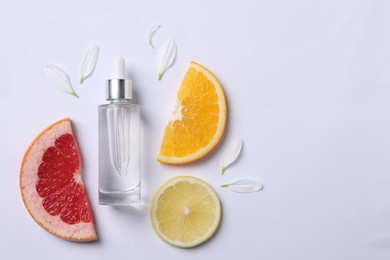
(198, 121)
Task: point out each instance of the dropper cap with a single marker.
(118, 87)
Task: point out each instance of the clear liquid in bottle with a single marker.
(119, 143)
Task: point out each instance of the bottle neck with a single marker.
(118, 89)
(120, 101)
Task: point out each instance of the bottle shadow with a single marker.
(136, 212)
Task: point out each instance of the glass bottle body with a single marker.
(119, 153)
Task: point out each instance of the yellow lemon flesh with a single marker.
(185, 211)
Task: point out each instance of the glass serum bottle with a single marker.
(119, 142)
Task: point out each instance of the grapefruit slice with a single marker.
(51, 185)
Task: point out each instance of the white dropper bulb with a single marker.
(118, 87)
(118, 68)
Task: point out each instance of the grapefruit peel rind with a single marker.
(28, 178)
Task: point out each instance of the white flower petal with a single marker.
(89, 61)
(231, 153)
(58, 78)
(244, 186)
(151, 33)
(165, 57)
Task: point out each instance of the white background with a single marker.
(308, 89)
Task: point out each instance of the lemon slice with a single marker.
(185, 211)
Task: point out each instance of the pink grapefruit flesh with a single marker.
(51, 185)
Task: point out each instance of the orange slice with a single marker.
(51, 185)
(198, 120)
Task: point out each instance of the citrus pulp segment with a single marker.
(185, 211)
(51, 185)
(198, 120)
